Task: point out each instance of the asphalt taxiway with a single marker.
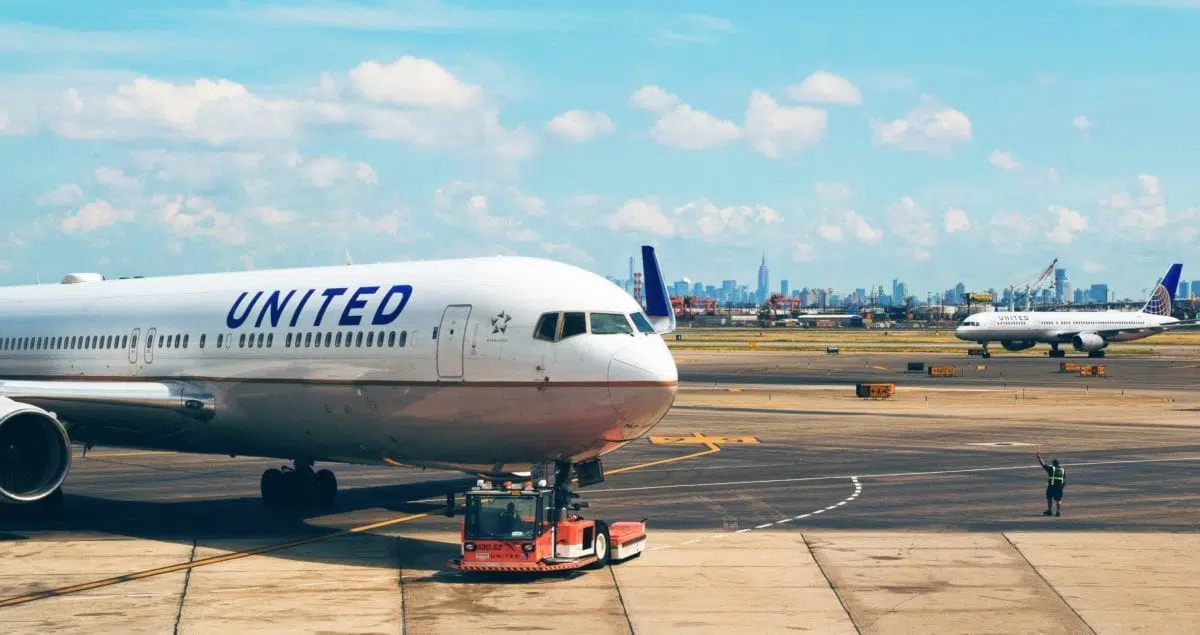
(818, 511)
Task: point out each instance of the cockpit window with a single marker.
(610, 323)
(642, 322)
(573, 324)
(547, 327)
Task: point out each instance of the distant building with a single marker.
(1080, 296)
(764, 280)
(1060, 281)
(698, 289)
(1098, 293)
(783, 288)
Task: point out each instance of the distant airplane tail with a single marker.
(1163, 294)
(658, 303)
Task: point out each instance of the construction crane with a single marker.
(1030, 287)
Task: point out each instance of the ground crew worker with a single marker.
(1055, 484)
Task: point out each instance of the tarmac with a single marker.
(817, 512)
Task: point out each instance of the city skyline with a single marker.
(1055, 289)
(931, 144)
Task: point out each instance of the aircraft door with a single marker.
(150, 345)
(133, 345)
(450, 341)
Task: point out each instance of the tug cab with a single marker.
(523, 527)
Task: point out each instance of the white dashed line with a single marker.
(857, 490)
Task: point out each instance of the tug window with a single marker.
(547, 327)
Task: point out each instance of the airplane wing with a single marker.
(658, 302)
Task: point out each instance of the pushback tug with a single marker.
(533, 527)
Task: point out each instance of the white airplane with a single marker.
(484, 365)
(1086, 331)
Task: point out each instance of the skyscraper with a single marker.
(764, 280)
(783, 288)
(1183, 292)
(1060, 281)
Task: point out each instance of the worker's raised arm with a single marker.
(1039, 458)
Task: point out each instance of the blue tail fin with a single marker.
(658, 303)
(1163, 294)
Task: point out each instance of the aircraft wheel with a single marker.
(325, 488)
(272, 487)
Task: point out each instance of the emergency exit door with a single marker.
(450, 341)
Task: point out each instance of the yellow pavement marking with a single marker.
(698, 438)
(184, 566)
(879, 367)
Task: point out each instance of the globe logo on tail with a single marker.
(1159, 302)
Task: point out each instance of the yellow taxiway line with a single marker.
(185, 566)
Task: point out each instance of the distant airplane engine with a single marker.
(1017, 345)
(35, 452)
(1088, 342)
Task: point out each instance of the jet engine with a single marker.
(35, 452)
(1088, 342)
(1017, 345)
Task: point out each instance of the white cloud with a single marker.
(956, 220)
(1082, 124)
(324, 172)
(1003, 161)
(930, 127)
(853, 224)
(1045, 80)
(213, 111)
(654, 99)
(65, 194)
(580, 125)
(776, 130)
(6, 126)
(643, 215)
(93, 216)
(1142, 211)
(1094, 267)
(705, 220)
(116, 179)
(687, 129)
(697, 28)
(803, 252)
(909, 221)
(412, 81)
(271, 215)
(1069, 222)
(1009, 232)
(827, 88)
(197, 217)
(531, 205)
(832, 233)
(833, 190)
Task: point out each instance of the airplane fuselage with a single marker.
(431, 364)
(1050, 327)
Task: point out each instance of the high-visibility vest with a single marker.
(1057, 475)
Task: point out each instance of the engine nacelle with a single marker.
(1017, 345)
(35, 452)
(1088, 342)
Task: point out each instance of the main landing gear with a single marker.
(986, 354)
(298, 485)
(1055, 351)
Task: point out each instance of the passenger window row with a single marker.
(553, 327)
(371, 339)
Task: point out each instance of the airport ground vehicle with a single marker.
(532, 527)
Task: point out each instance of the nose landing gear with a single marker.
(298, 486)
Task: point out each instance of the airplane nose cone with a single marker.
(961, 332)
(642, 382)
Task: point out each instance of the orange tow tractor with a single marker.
(526, 528)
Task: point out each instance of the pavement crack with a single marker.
(832, 586)
(621, 599)
(1048, 585)
(187, 580)
(403, 591)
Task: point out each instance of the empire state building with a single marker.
(764, 280)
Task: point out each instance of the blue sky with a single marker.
(852, 142)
